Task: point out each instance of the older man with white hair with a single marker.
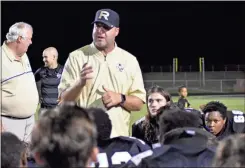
(18, 88)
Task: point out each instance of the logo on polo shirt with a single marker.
(120, 67)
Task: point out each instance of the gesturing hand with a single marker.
(86, 73)
(110, 98)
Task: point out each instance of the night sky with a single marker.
(154, 32)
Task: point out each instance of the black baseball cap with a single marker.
(107, 17)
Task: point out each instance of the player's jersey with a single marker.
(183, 147)
(237, 118)
(235, 124)
(116, 151)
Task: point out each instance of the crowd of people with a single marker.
(85, 108)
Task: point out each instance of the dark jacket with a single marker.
(146, 132)
(48, 81)
(182, 147)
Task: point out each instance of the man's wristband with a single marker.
(123, 99)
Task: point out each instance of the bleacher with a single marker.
(215, 82)
(221, 75)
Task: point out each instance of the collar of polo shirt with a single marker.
(11, 54)
(100, 54)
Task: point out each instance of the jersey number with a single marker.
(238, 116)
(116, 159)
(239, 119)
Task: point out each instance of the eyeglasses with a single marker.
(102, 25)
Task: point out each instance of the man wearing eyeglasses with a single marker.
(105, 76)
(18, 88)
(48, 79)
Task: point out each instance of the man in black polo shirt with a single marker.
(48, 78)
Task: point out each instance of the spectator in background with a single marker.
(231, 152)
(221, 122)
(19, 98)
(146, 127)
(13, 151)
(48, 78)
(183, 102)
(114, 151)
(105, 76)
(65, 137)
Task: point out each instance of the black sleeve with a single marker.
(37, 75)
(137, 132)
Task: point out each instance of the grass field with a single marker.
(233, 103)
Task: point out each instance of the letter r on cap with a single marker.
(105, 14)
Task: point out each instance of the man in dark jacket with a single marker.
(48, 78)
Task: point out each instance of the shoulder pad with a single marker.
(156, 145)
(153, 154)
(188, 109)
(132, 139)
(137, 140)
(237, 112)
(140, 120)
(137, 159)
(238, 121)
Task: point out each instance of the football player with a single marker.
(113, 152)
(184, 144)
(221, 122)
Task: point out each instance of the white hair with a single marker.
(16, 30)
